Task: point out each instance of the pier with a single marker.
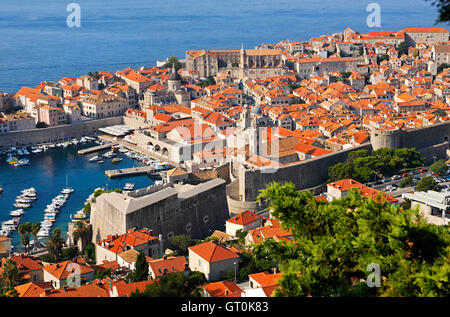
(133, 171)
(95, 149)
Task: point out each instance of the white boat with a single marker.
(17, 213)
(129, 186)
(20, 205)
(67, 191)
(94, 159)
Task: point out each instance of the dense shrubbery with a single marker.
(362, 166)
(336, 242)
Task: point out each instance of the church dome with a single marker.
(256, 110)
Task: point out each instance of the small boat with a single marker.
(129, 186)
(67, 191)
(117, 160)
(20, 205)
(99, 162)
(94, 159)
(17, 213)
(1, 190)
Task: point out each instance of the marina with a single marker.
(54, 167)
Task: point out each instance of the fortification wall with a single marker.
(418, 138)
(197, 212)
(55, 134)
(306, 174)
(435, 152)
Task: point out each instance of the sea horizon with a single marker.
(38, 45)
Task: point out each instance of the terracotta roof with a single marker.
(266, 279)
(88, 290)
(245, 218)
(62, 270)
(36, 289)
(168, 265)
(212, 252)
(223, 289)
(124, 289)
(119, 243)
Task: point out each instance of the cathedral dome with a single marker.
(256, 110)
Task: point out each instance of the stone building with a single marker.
(196, 211)
(253, 63)
(104, 106)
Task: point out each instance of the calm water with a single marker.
(37, 45)
(47, 174)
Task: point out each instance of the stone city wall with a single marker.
(55, 134)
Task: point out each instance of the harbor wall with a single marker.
(55, 134)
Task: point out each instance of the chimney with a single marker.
(274, 270)
(165, 257)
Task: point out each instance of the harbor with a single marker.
(55, 167)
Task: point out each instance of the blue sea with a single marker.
(49, 172)
(37, 45)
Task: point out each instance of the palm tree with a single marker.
(21, 229)
(81, 233)
(55, 245)
(28, 226)
(35, 227)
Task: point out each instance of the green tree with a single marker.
(403, 48)
(181, 243)
(443, 10)
(81, 233)
(439, 167)
(90, 251)
(55, 245)
(384, 57)
(335, 242)
(208, 82)
(408, 180)
(10, 272)
(35, 227)
(442, 66)
(427, 183)
(173, 61)
(174, 285)
(141, 271)
(101, 274)
(41, 125)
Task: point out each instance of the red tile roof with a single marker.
(245, 218)
(223, 289)
(168, 265)
(212, 252)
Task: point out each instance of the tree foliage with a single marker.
(141, 271)
(362, 165)
(335, 242)
(439, 167)
(181, 243)
(443, 10)
(427, 183)
(173, 61)
(174, 285)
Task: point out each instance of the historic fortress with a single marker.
(253, 63)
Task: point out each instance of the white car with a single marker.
(395, 177)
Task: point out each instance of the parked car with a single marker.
(385, 180)
(391, 187)
(423, 170)
(405, 175)
(395, 177)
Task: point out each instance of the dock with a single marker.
(95, 149)
(133, 171)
